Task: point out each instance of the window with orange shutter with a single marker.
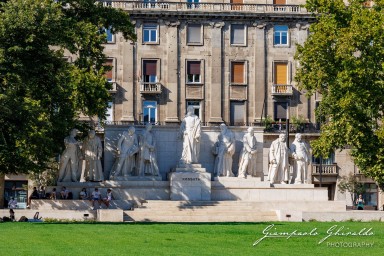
(109, 74)
(237, 73)
(281, 73)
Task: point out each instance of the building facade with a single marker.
(232, 60)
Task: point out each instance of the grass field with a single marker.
(191, 239)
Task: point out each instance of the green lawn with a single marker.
(188, 239)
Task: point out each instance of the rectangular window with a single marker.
(237, 114)
(150, 33)
(194, 34)
(238, 32)
(280, 35)
(281, 111)
(196, 106)
(109, 74)
(110, 38)
(279, 2)
(150, 112)
(150, 71)
(238, 73)
(150, 3)
(280, 73)
(193, 72)
(109, 115)
(193, 4)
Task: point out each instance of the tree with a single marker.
(352, 185)
(343, 60)
(41, 93)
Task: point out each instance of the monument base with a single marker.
(190, 185)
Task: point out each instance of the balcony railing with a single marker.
(154, 88)
(204, 7)
(327, 169)
(282, 90)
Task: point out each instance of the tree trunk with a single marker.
(2, 186)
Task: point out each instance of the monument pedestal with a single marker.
(190, 183)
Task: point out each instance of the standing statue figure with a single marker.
(148, 163)
(278, 159)
(190, 133)
(301, 156)
(70, 159)
(127, 147)
(224, 149)
(247, 163)
(92, 152)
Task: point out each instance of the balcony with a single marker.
(282, 90)
(174, 6)
(150, 88)
(327, 169)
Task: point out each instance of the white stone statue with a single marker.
(190, 133)
(300, 151)
(70, 165)
(224, 149)
(148, 163)
(92, 152)
(278, 159)
(127, 147)
(247, 163)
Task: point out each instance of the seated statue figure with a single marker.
(92, 152)
(247, 163)
(127, 147)
(70, 159)
(148, 163)
(224, 149)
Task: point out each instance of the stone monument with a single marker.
(190, 181)
(92, 152)
(224, 149)
(301, 155)
(278, 159)
(70, 164)
(247, 163)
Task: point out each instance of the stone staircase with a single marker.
(199, 211)
(228, 211)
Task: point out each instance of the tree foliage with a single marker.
(41, 93)
(343, 59)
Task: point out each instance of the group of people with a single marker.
(97, 197)
(279, 154)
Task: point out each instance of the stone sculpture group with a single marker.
(136, 155)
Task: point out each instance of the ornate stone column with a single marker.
(172, 72)
(129, 78)
(259, 89)
(216, 85)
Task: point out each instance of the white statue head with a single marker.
(251, 131)
(298, 137)
(73, 132)
(223, 128)
(282, 137)
(131, 130)
(91, 134)
(190, 110)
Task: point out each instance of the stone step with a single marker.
(200, 212)
(47, 204)
(204, 218)
(244, 205)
